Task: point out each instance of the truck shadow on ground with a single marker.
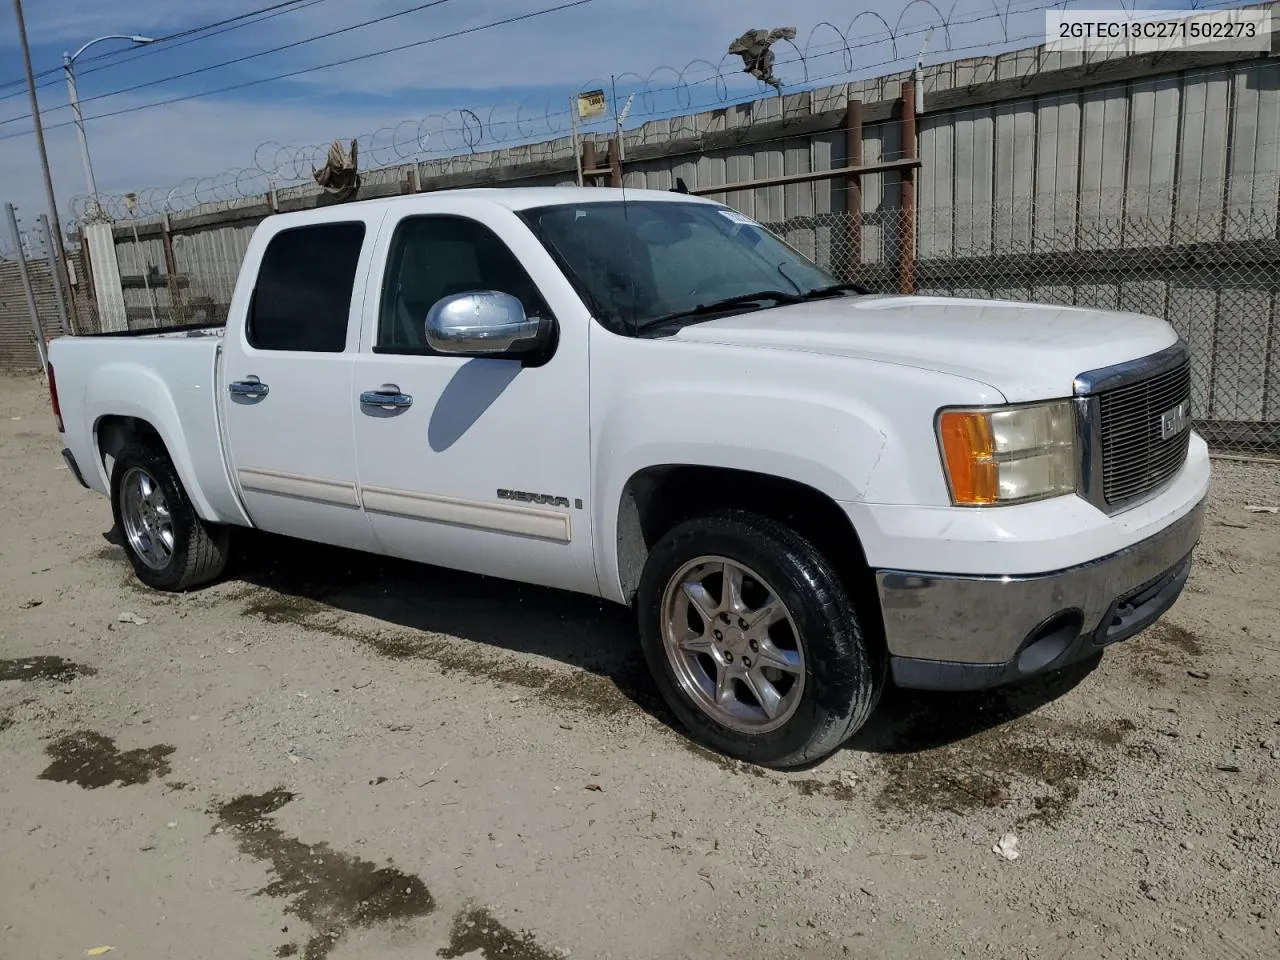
(910, 721)
(311, 584)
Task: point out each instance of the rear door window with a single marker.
(302, 301)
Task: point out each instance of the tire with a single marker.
(832, 678)
(168, 545)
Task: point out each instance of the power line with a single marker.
(249, 56)
(506, 21)
(162, 44)
(208, 30)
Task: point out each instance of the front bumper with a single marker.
(948, 632)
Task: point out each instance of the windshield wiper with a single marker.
(833, 289)
(776, 296)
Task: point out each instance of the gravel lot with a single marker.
(332, 757)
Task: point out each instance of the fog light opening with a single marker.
(1049, 641)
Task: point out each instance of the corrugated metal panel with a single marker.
(937, 185)
(1239, 365)
(207, 263)
(1271, 410)
(1192, 311)
(17, 339)
(831, 242)
(1153, 146)
(974, 163)
(1015, 164)
(17, 342)
(1057, 167)
(1102, 166)
(1203, 152)
(143, 276)
(106, 277)
(1255, 154)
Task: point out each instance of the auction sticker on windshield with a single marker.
(737, 217)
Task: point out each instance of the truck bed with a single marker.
(166, 378)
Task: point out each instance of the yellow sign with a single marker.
(591, 104)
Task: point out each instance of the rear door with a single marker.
(286, 386)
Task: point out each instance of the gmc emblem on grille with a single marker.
(1173, 422)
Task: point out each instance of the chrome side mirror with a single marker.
(482, 323)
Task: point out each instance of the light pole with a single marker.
(68, 67)
(63, 277)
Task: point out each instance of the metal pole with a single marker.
(68, 68)
(63, 313)
(615, 164)
(146, 268)
(171, 269)
(44, 156)
(26, 286)
(573, 122)
(907, 263)
(853, 151)
(618, 118)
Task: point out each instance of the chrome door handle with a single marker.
(388, 395)
(249, 387)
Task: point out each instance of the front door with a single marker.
(474, 464)
(286, 383)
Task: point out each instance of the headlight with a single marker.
(1000, 455)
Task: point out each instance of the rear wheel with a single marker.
(168, 545)
(754, 641)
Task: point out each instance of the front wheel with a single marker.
(168, 544)
(754, 642)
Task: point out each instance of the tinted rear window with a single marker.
(303, 297)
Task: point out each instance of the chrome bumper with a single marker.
(959, 632)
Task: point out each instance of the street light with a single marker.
(68, 64)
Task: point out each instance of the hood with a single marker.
(1027, 351)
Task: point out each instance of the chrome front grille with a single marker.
(1136, 426)
(1137, 455)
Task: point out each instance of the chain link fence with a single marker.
(1213, 274)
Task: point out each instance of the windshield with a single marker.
(638, 262)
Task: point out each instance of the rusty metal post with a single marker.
(176, 311)
(615, 163)
(907, 247)
(51, 251)
(589, 163)
(94, 322)
(853, 153)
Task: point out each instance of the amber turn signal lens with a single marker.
(970, 450)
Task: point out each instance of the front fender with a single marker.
(830, 442)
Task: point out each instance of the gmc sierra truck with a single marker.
(801, 487)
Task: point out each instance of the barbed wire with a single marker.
(468, 139)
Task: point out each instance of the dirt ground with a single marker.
(327, 756)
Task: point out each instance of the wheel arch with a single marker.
(657, 498)
(140, 408)
(113, 432)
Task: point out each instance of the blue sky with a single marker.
(537, 62)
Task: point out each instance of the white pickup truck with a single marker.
(799, 486)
